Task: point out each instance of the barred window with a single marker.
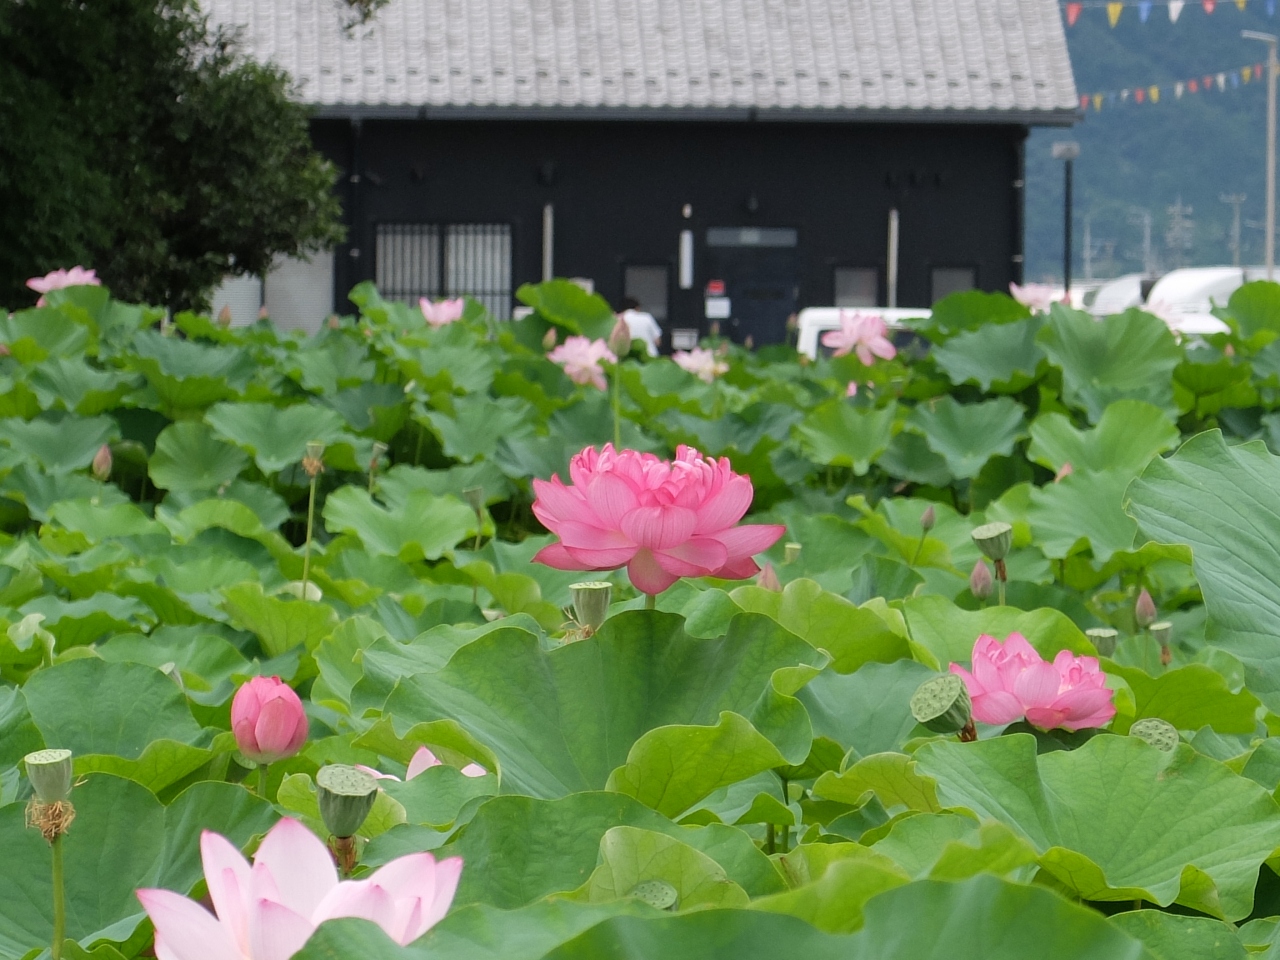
(434, 260)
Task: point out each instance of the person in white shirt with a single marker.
(641, 324)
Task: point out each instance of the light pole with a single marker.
(1236, 200)
(1273, 67)
(1066, 151)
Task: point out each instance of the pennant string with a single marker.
(1151, 93)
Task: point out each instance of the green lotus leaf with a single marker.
(35, 336)
(72, 384)
(444, 367)
(279, 624)
(332, 363)
(1130, 355)
(422, 526)
(59, 445)
(567, 305)
(1000, 358)
(868, 711)
(839, 434)
(908, 456)
(1117, 819)
(1205, 387)
(436, 795)
(944, 634)
(834, 900)
(1083, 509)
(631, 856)
(77, 623)
(1129, 434)
(478, 423)
(188, 375)
(39, 491)
(1171, 937)
(276, 437)
(1221, 501)
(892, 777)
(967, 435)
(98, 522)
(1190, 698)
(951, 846)
(1255, 308)
(189, 456)
(206, 660)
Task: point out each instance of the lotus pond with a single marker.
(971, 651)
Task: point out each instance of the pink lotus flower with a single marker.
(1011, 681)
(269, 911)
(852, 389)
(268, 720)
(581, 359)
(663, 519)
(1036, 297)
(423, 759)
(865, 333)
(445, 311)
(77, 276)
(702, 363)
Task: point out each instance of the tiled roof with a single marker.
(699, 57)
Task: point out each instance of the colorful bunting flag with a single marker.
(1178, 89)
(1154, 94)
(1241, 4)
(1247, 73)
(1227, 79)
(1209, 5)
(1144, 10)
(1113, 12)
(1175, 8)
(1097, 101)
(1073, 13)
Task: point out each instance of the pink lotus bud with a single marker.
(334, 322)
(1228, 351)
(980, 582)
(549, 339)
(852, 389)
(263, 312)
(1144, 610)
(1065, 470)
(928, 518)
(768, 579)
(620, 338)
(268, 720)
(4, 349)
(102, 463)
(224, 316)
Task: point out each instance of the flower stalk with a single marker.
(313, 464)
(50, 811)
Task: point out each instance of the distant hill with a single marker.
(1145, 156)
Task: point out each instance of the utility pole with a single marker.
(1236, 200)
(1066, 151)
(1178, 235)
(1088, 246)
(1273, 67)
(1142, 218)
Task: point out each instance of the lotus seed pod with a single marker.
(791, 553)
(656, 893)
(980, 581)
(591, 602)
(170, 670)
(928, 518)
(315, 449)
(1104, 640)
(942, 704)
(379, 451)
(474, 496)
(1161, 734)
(1162, 632)
(346, 796)
(994, 539)
(50, 774)
(1144, 609)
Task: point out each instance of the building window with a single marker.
(647, 285)
(857, 287)
(416, 260)
(949, 280)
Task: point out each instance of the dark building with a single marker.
(736, 157)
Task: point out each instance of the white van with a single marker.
(815, 321)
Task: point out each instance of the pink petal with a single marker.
(556, 556)
(600, 559)
(646, 576)
(611, 498)
(422, 759)
(699, 557)
(246, 739)
(226, 873)
(448, 873)
(1037, 685)
(1085, 703)
(276, 932)
(743, 568)
(1017, 645)
(186, 929)
(725, 507)
(581, 536)
(277, 727)
(555, 502)
(996, 708)
(750, 539)
(474, 770)
(971, 683)
(299, 863)
(658, 527)
(359, 898)
(376, 774)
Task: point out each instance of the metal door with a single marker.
(758, 267)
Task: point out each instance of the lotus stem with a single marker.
(59, 901)
(617, 407)
(1002, 575)
(919, 546)
(651, 601)
(770, 845)
(262, 780)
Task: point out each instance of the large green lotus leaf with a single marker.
(892, 777)
(868, 711)
(526, 849)
(98, 522)
(1117, 819)
(423, 526)
(951, 846)
(943, 633)
(1083, 509)
(188, 375)
(908, 457)
(122, 839)
(279, 624)
(1255, 308)
(39, 491)
(375, 409)
(1223, 502)
(567, 305)
(1128, 355)
(79, 622)
(852, 635)
(276, 437)
(436, 795)
(34, 336)
(18, 735)
(162, 764)
(444, 367)
(1129, 434)
(59, 444)
(189, 456)
(561, 720)
(328, 366)
(478, 423)
(72, 384)
(1000, 358)
(630, 856)
(206, 660)
(1172, 937)
(834, 900)
(967, 435)
(839, 434)
(1190, 697)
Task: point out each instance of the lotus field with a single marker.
(437, 636)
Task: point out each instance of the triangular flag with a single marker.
(1175, 9)
(1193, 86)
(1144, 10)
(1234, 77)
(1154, 94)
(1271, 8)
(1208, 84)
(1139, 95)
(1097, 101)
(1209, 5)
(1247, 73)
(1084, 101)
(1111, 97)
(1124, 95)
(1222, 81)
(1073, 13)
(1178, 89)
(1241, 4)
(1113, 12)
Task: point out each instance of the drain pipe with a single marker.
(892, 273)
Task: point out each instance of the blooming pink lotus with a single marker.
(77, 276)
(702, 363)
(581, 360)
(268, 911)
(268, 720)
(1011, 680)
(445, 311)
(423, 759)
(1036, 297)
(863, 333)
(663, 519)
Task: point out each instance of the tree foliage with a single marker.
(136, 140)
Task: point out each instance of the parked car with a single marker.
(815, 321)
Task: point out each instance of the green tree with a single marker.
(136, 140)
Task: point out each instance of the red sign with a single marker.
(715, 288)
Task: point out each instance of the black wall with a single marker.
(619, 188)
